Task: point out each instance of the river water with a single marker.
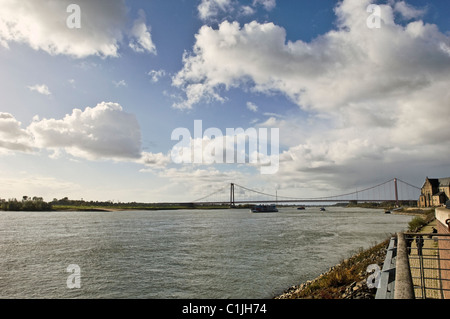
(179, 254)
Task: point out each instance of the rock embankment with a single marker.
(347, 280)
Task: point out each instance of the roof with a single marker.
(434, 182)
(439, 194)
(444, 181)
(437, 182)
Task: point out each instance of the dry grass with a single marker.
(332, 284)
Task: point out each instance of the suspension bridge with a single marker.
(393, 191)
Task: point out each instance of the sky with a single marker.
(95, 92)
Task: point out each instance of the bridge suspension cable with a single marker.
(410, 185)
(209, 195)
(317, 198)
(369, 193)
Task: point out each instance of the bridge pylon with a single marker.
(232, 202)
(396, 192)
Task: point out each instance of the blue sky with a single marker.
(89, 112)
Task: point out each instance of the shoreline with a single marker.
(347, 279)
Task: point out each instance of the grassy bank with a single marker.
(344, 278)
(334, 283)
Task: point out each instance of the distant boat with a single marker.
(322, 209)
(387, 212)
(301, 208)
(264, 209)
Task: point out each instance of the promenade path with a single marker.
(425, 269)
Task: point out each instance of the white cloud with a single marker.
(40, 88)
(102, 132)
(142, 38)
(12, 136)
(43, 26)
(155, 160)
(267, 4)
(156, 75)
(374, 93)
(252, 107)
(247, 10)
(119, 83)
(257, 55)
(208, 9)
(213, 9)
(408, 11)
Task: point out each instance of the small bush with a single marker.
(416, 223)
(342, 276)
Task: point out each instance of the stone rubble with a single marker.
(359, 290)
(356, 290)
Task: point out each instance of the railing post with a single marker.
(404, 288)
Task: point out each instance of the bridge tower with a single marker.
(232, 195)
(396, 192)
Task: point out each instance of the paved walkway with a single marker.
(429, 284)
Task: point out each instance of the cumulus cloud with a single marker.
(40, 88)
(155, 160)
(374, 92)
(247, 10)
(43, 26)
(267, 4)
(120, 83)
(252, 107)
(156, 75)
(259, 55)
(408, 11)
(141, 37)
(190, 183)
(102, 132)
(251, 147)
(12, 136)
(212, 9)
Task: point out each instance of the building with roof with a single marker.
(435, 192)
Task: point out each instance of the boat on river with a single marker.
(264, 209)
(301, 208)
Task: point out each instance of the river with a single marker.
(180, 254)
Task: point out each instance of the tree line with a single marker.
(26, 204)
(38, 204)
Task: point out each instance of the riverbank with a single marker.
(348, 279)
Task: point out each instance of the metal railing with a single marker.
(429, 259)
(387, 277)
(417, 266)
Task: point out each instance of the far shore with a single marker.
(413, 211)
